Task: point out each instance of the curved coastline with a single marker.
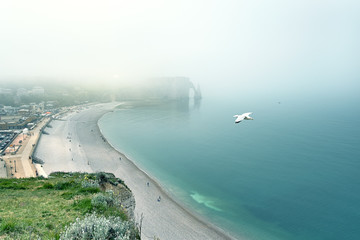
(76, 143)
(163, 190)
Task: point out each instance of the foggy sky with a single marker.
(276, 43)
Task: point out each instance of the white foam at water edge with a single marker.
(206, 201)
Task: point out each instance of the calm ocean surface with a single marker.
(292, 173)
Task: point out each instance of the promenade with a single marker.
(17, 158)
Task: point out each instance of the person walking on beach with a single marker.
(159, 199)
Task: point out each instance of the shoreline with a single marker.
(167, 193)
(167, 219)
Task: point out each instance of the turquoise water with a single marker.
(292, 173)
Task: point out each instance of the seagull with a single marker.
(243, 116)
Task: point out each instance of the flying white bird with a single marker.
(244, 116)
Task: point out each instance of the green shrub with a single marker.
(90, 183)
(89, 190)
(103, 200)
(48, 186)
(108, 205)
(94, 227)
(68, 195)
(101, 177)
(49, 226)
(66, 185)
(45, 214)
(14, 184)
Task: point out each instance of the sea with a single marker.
(291, 173)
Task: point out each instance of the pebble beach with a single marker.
(75, 144)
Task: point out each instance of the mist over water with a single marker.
(292, 173)
(224, 45)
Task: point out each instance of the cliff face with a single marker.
(172, 88)
(125, 196)
(168, 88)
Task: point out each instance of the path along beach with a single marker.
(75, 144)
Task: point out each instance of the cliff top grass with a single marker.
(42, 208)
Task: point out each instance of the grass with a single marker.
(83, 205)
(41, 208)
(10, 225)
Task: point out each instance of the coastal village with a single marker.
(19, 132)
(21, 126)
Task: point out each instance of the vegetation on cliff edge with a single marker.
(52, 208)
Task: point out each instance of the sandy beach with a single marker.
(75, 143)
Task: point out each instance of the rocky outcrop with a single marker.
(125, 196)
(173, 88)
(166, 88)
(108, 181)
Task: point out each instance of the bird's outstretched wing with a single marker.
(239, 118)
(247, 114)
(236, 116)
